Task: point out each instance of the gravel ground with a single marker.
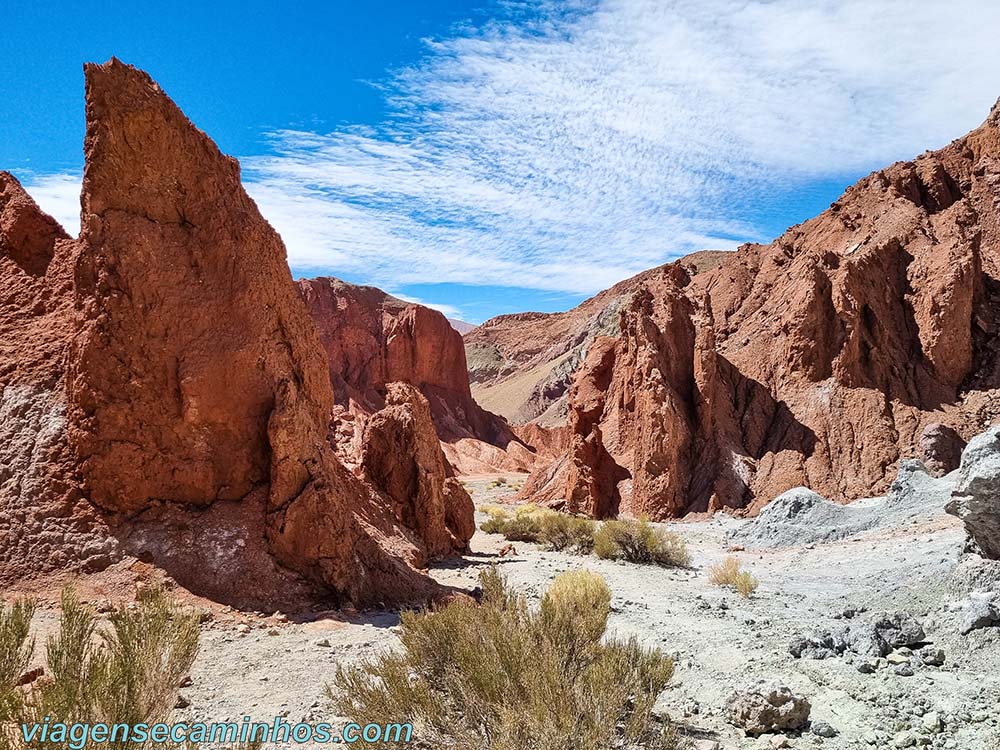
(280, 665)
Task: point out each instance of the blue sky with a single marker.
(498, 156)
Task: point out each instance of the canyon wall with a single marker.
(166, 395)
(818, 360)
(373, 339)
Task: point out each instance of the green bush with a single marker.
(523, 527)
(640, 542)
(499, 676)
(497, 521)
(127, 673)
(557, 531)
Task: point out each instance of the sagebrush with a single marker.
(501, 676)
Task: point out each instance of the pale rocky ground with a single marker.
(265, 666)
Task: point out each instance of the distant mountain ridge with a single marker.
(460, 325)
(521, 365)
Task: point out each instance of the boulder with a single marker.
(874, 637)
(979, 610)
(941, 448)
(764, 707)
(976, 497)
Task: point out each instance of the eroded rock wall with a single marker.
(162, 373)
(372, 339)
(819, 360)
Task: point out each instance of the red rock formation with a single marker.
(522, 365)
(195, 387)
(402, 458)
(817, 360)
(941, 449)
(46, 524)
(373, 339)
(196, 375)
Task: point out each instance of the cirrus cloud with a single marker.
(565, 146)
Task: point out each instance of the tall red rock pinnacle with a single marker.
(189, 394)
(197, 373)
(403, 459)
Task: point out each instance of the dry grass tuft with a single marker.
(724, 574)
(729, 573)
(500, 676)
(745, 584)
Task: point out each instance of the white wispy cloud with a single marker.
(570, 151)
(449, 311)
(57, 195)
(565, 146)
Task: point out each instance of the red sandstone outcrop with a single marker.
(402, 457)
(522, 365)
(817, 360)
(46, 524)
(372, 339)
(176, 381)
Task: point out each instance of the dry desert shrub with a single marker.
(745, 584)
(729, 573)
(500, 676)
(640, 542)
(16, 649)
(529, 523)
(126, 673)
(560, 531)
(724, 574)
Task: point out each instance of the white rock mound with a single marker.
(976, 497)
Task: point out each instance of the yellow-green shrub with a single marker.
(529, 523)
(640, 542)
(560, 531)
(496, 522)
(499, 676)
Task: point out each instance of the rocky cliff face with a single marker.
(402, 457)
(522, 365)
(48, 524)
(818, 360)
(372, 339)
(177, 381)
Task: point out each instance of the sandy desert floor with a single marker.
(280, 665)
